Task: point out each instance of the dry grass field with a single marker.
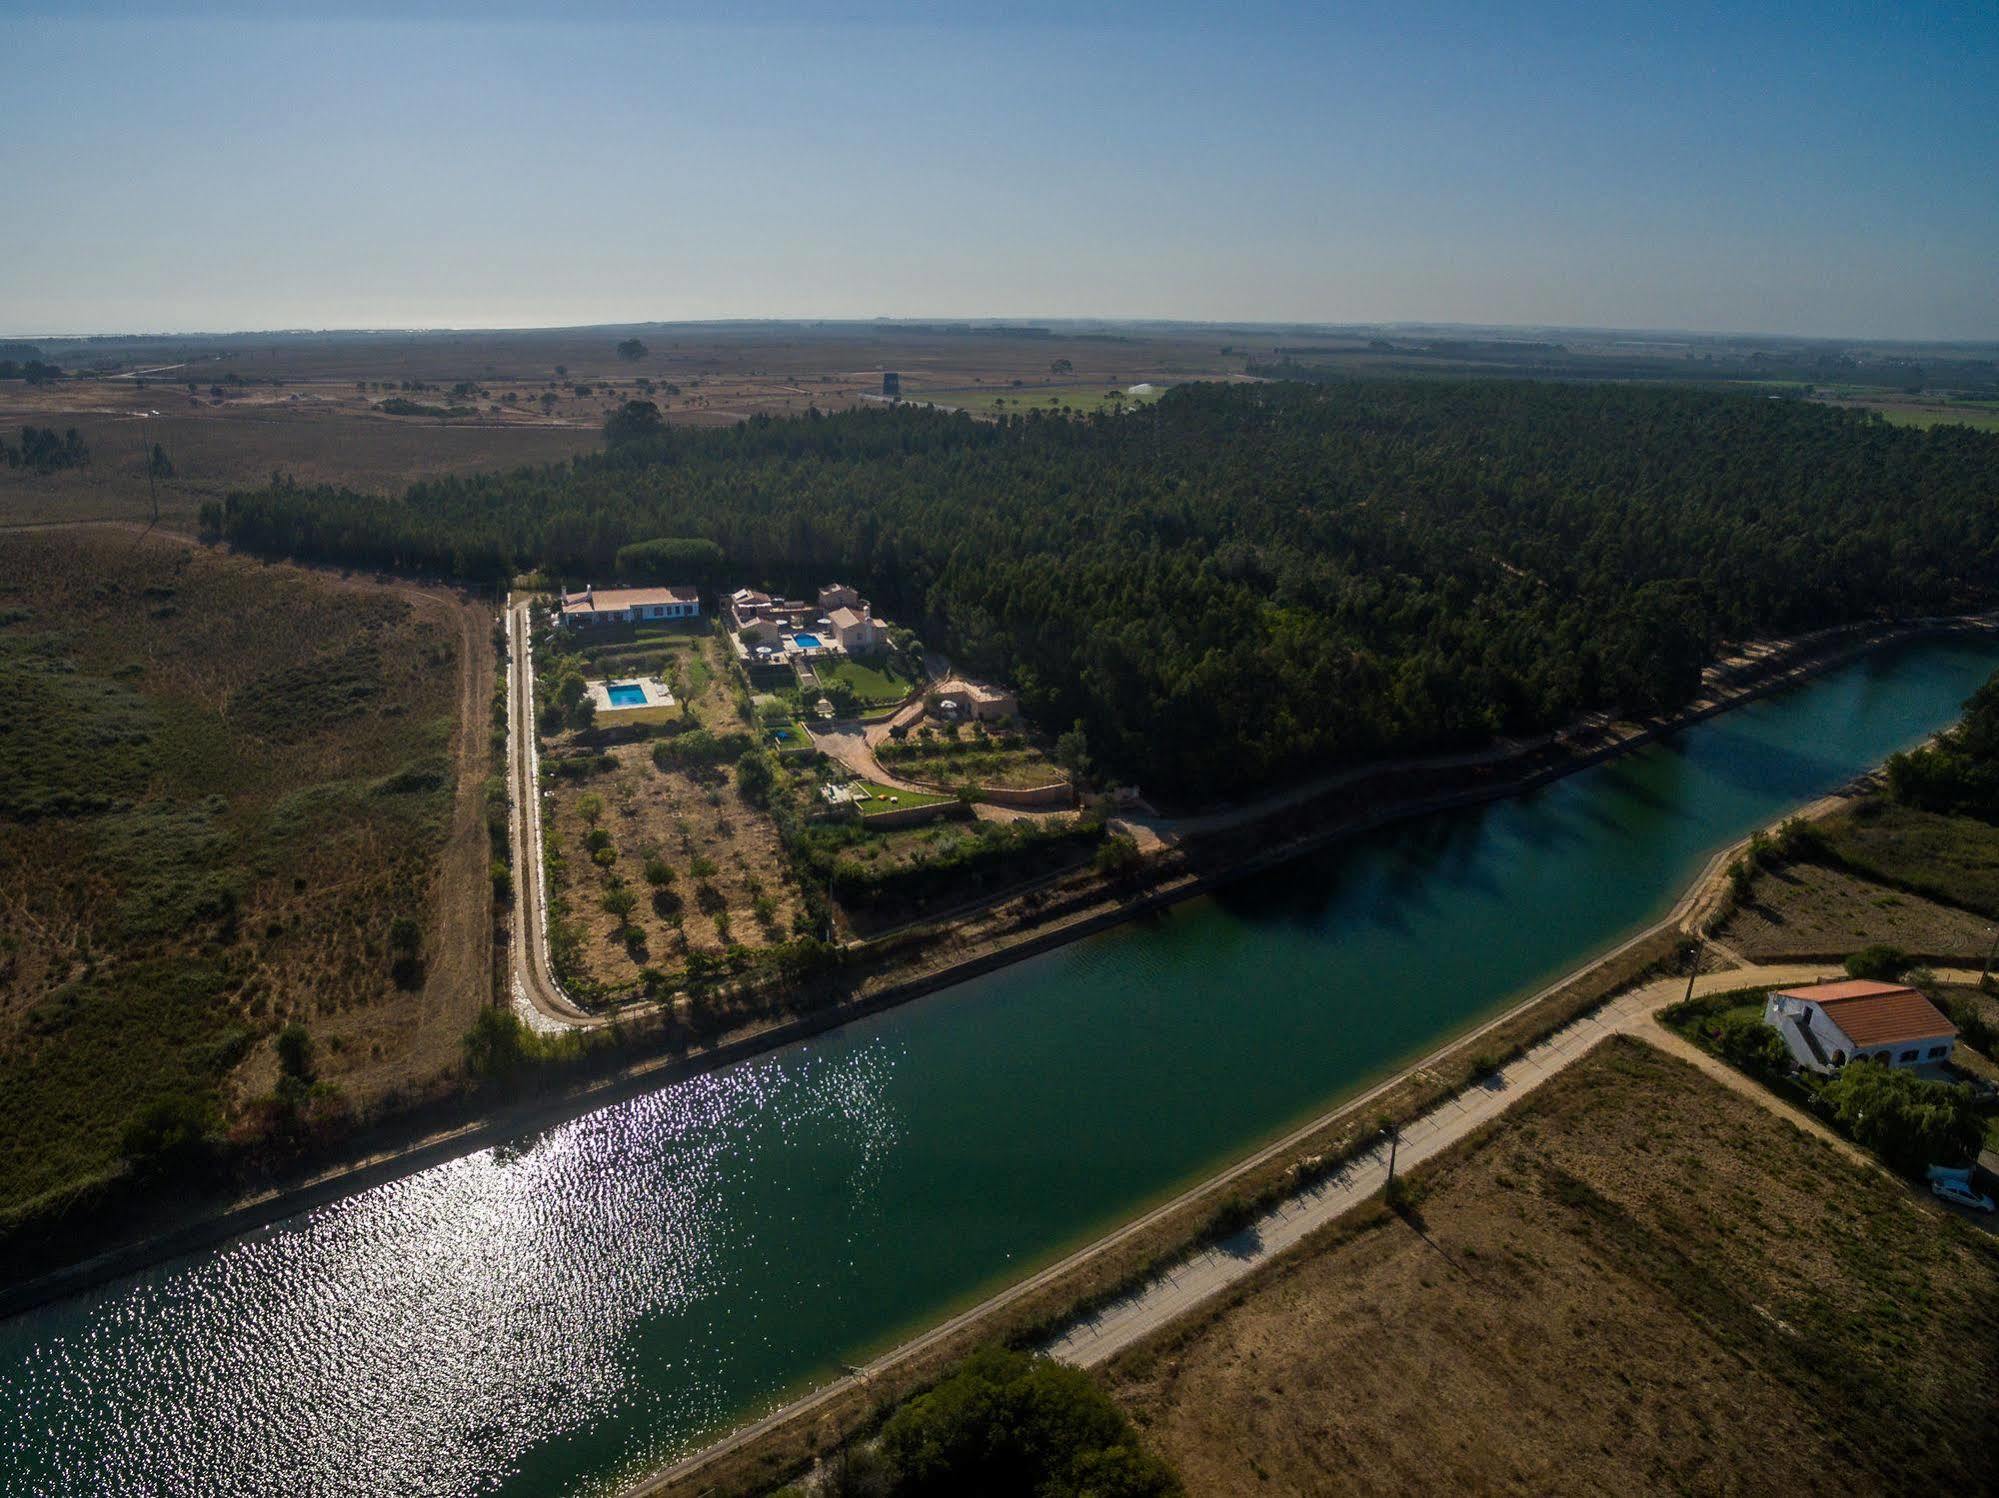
(221, 785)
(729, 884)
(1809, 910)
(1638, 1281)
(309, 404)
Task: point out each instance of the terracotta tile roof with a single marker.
(625, 598)
(844, 618)
(1875, 1014)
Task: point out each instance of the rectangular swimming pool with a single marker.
(807, 642)
(626, 694)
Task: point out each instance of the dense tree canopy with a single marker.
(1958, 772)
(1246, 583)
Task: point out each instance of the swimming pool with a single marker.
(626, 694)
(807, 642)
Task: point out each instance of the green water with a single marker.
(552, 1314)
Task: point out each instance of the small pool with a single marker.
(626, 694)
(807, 642)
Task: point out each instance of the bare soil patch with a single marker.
(1637, 1281)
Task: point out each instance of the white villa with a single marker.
(594, 607)
(1827, 1025)
(795, 632)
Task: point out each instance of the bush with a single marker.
(1006, 1424)
(1880, 962)
(170, 1135)
(1746, 1042)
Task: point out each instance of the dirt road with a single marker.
(536, 996)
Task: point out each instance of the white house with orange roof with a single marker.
(1826, 1025)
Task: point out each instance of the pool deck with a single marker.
(656, 694)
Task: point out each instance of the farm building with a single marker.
(1829, 1024)
(599, 606)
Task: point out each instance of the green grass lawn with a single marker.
(887, 682)
(903, 799)
(993, 400)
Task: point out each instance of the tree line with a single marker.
(1243, 584)
(45, 450)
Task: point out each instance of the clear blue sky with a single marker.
(1797, 168)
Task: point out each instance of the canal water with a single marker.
(559, 1312)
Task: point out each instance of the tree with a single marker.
(295, 1052)
(1005, 1424)
(1072, 751)
(632, 350)
(620, 902)
(590, 807)
(1062, 366)
(497, 1044)
(1909, 1122)
(755, 777)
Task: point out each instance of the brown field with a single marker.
(289, 402)
(1809, 910)
(682, 817)
(1638, 1281)
(226, 780)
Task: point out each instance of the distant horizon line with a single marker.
(1245, 326)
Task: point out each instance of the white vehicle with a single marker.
(1954, 1186)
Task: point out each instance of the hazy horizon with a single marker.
(1789, 173)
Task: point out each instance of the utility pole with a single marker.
(1991, 952)
(1394, 1139)
(1693, 968)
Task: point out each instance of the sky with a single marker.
(1806, 168)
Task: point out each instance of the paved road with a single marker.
(1205, 1274)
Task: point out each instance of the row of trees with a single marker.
(45, 450)
(1245, 583)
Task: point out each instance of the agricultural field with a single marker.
(1637, 1279)
(226, 800)
(659, 860)
(969, 753)
(229, 411)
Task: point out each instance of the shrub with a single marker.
(170, 1135)
(1006, 1423)
(1880, 962)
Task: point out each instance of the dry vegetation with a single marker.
(1810, 910)
(223, 782)
(1638, 1280)
(729, 885)
(309, 405)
